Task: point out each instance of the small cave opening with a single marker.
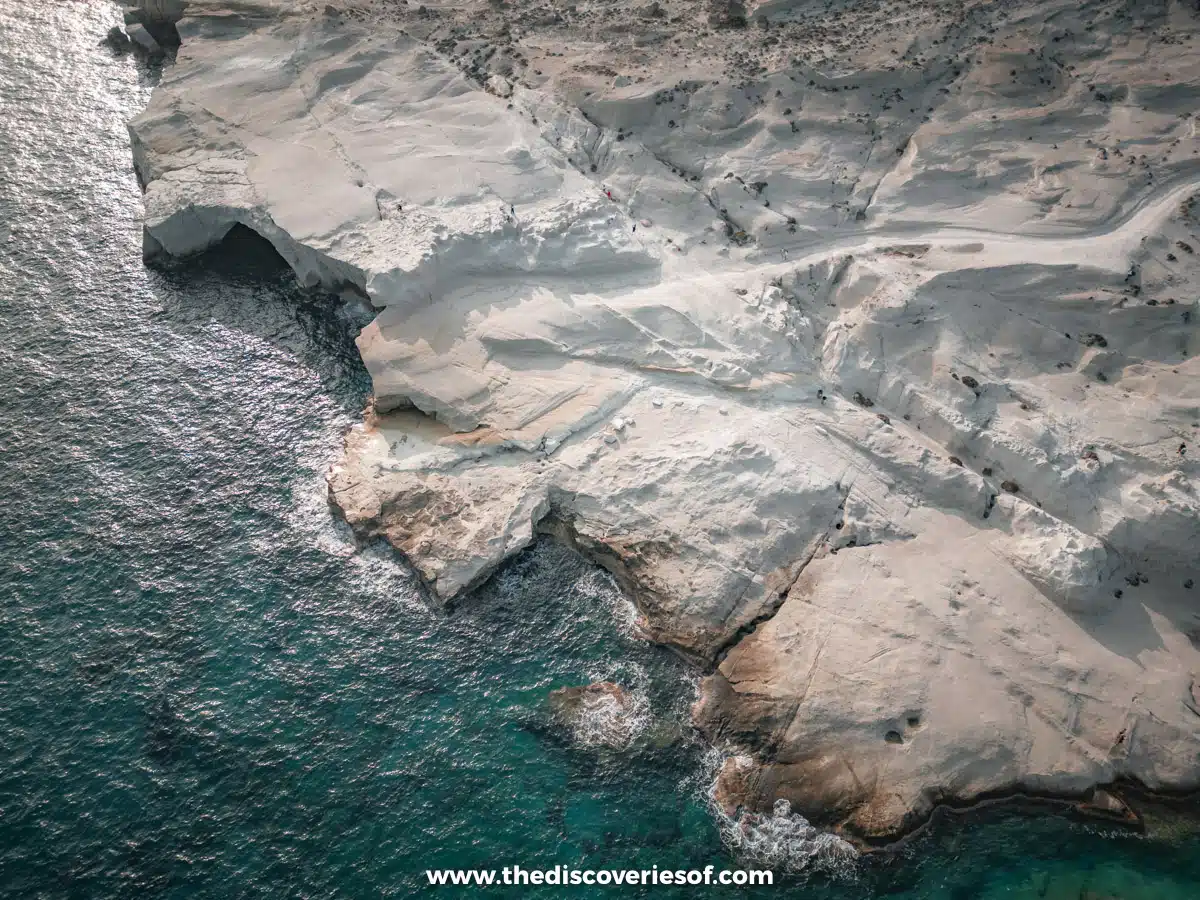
(244, 253)
(243, 283)
(240, 253)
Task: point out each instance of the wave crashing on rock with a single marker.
(602, 714)
(785, 840)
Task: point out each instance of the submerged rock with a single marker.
(143, 41)
(602, 714)
(117, 39)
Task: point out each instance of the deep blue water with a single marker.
(207, 691)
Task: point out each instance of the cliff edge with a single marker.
(858, 343)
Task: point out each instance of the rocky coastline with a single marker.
(864, 357)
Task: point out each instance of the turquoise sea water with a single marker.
(207, 691)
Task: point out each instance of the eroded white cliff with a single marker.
(875, 385)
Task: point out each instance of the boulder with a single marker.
(1104, 804)
(602, 714)
(162, 11)
(144, 42)
(117, 39)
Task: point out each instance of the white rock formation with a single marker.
(862, 350)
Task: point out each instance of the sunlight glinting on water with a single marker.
(207, 689)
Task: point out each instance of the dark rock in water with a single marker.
(599, 714)
(143, 41)
(1105, 805)
(164, 11)
(118, 40)
(662, 735)
(1010, 486)
(159, 18)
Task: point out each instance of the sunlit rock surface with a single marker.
(859, 347)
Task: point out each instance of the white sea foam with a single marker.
(605, 720)
(309, 514)
(375, 568)
(786, 840)
(781, 839)
(379, 574)
(599, 587)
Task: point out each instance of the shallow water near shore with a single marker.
(207, 691)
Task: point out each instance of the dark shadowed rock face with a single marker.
(727, 13)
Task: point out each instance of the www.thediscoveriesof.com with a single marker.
(565, 875)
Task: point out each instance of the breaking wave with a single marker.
(780, 840)
(611, 721)
(600, 587)
(785, 840)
